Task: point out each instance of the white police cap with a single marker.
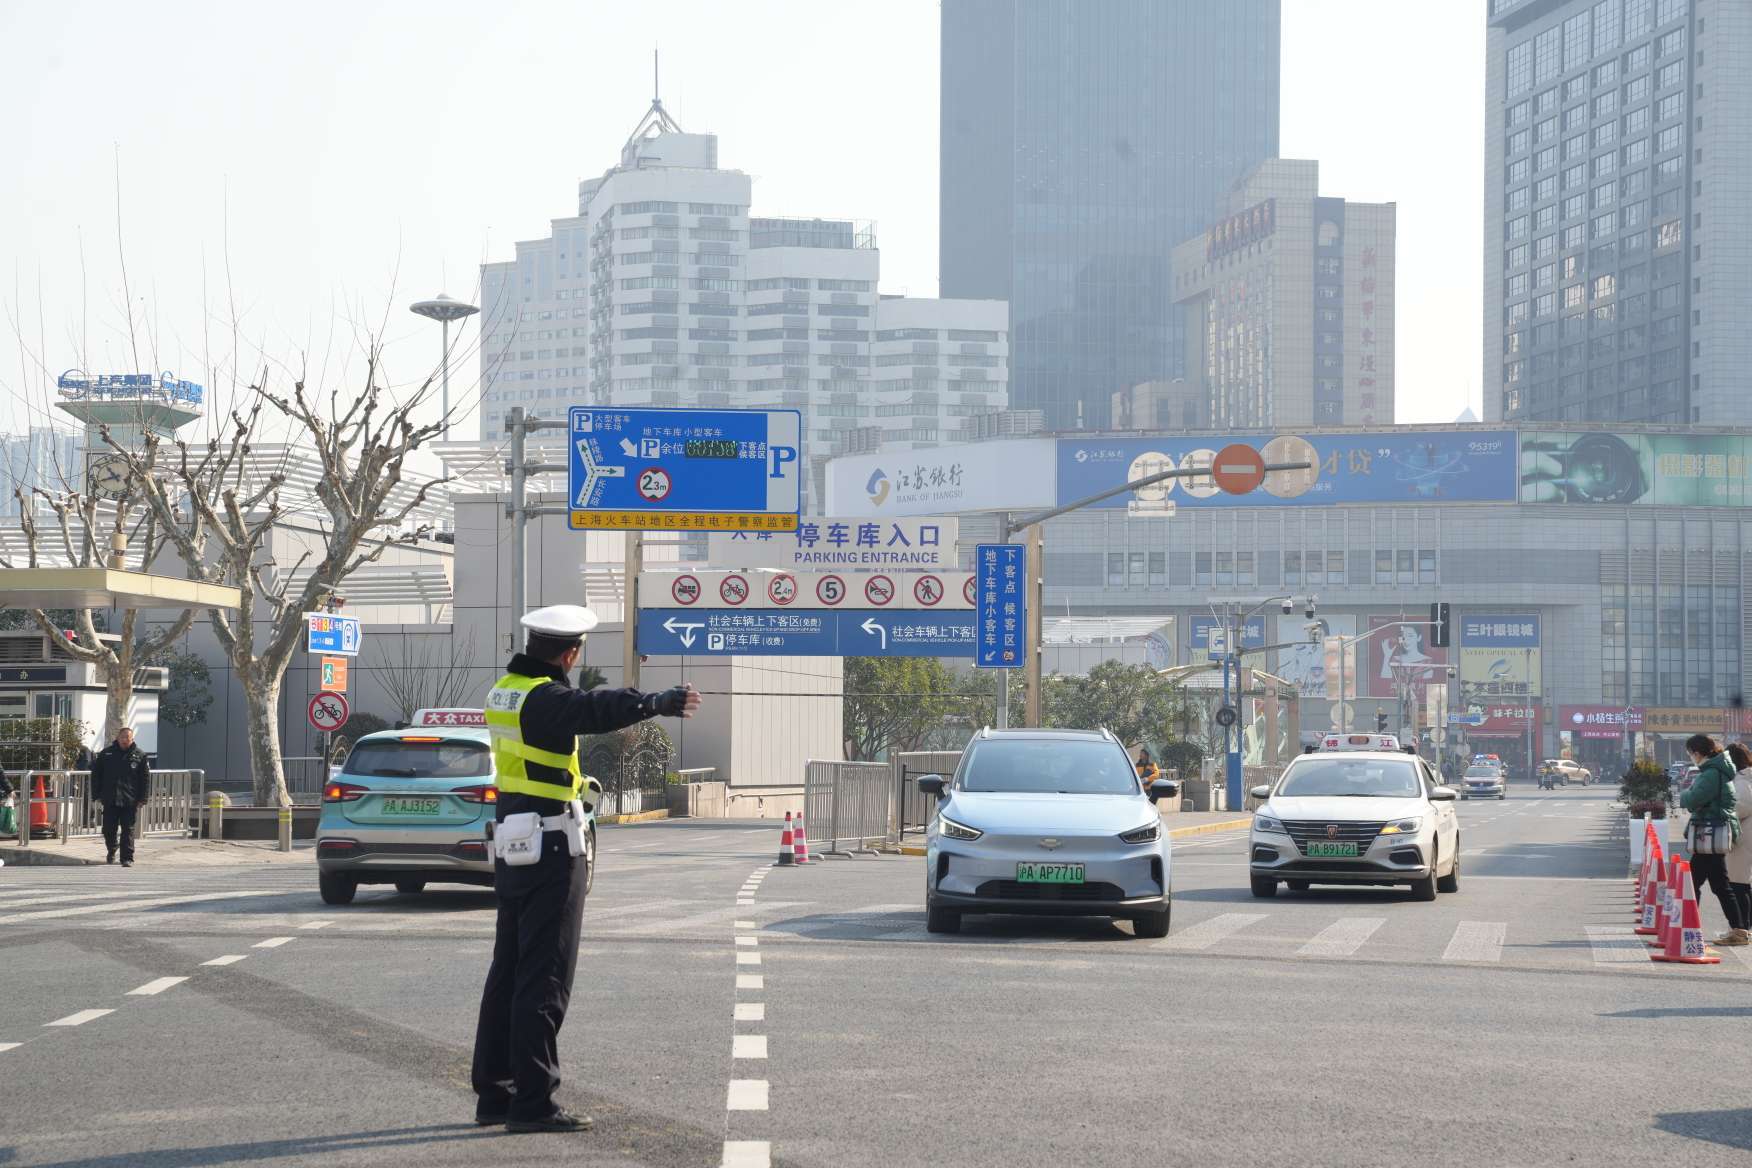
(565, 621)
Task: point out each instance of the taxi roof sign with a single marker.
(449, 717)
(1360, 742)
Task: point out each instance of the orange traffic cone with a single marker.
(1649, 924)
(802, 841)
(1667, 918)
(1685, 944)
(786, 858)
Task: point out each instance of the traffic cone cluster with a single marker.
(1650, 899)
(1684, 937)
(787, 852)
(800, 842)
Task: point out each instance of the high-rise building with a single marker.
(664, 291)
(1288, 303)
(1618, 196)
(1080, 143)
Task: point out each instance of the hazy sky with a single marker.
(349, 157)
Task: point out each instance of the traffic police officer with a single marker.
(535, 716)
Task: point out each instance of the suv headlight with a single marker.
(1403, 827)
(1148, 833)
(948, 827)
(1268, 823)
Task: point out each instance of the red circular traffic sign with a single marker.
(928, 591)
(734, 589)
(1238, 468)
(654, 484)
(686, 590)
(879, 590)
(782, 589)
(830, 590)
(327, 711)
(967, 589)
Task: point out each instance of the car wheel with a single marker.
(1502, 795)
(589, 860)
(1451, 882)
(1265, 886)
(336, 888)
(1151, 925)
(1425, 889)
(1297, 885)
(941, 920)
(410, 887)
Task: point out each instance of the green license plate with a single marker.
(1049, 873)
(406, 806)
(1325, 848)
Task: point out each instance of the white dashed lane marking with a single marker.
(271, 943)
(79, 1019)
(228, 959)
(750, 981)
(748, 1046)
(747, 1154)
(316, 924)
(155, 986)
(6, 1046)
(746, 942)
(751, 1011)
(747, 1095)
(748, 959)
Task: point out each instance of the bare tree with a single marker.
(221, 508)
(434, 677)
(90, 538)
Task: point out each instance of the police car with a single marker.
(410, 807)
(1358, 811)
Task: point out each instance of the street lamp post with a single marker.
(443, 309)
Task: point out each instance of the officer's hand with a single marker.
(678, 702)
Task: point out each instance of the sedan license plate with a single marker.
(407, 806)
(1049, 873)
(1325, 848)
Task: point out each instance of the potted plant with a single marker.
(1644, 790)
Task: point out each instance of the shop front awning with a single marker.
(109, 588)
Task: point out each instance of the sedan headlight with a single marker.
(1149, 833)
(1403, 827)
(1267, 823)
(948, 827)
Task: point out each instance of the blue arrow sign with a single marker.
(1000, 604)
(675, 632)
(703, 470)
(339, 636)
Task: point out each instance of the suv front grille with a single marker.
(1305, 830)
(1016, 890)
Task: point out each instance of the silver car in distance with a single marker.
(1047, 822)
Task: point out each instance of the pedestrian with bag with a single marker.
(1740, 857)
(121, 780)
(540, 872)
(1714, 829)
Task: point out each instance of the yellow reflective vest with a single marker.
(512, 755)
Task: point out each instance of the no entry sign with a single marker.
(1238, 468)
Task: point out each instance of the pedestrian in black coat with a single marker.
(121, 780)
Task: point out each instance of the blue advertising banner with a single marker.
(1474, 466)
(1252, 634)
(676, 632)
(1000, 604)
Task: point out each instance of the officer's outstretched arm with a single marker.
(599, 711)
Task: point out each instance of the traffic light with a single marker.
(1380, 721)
(1439, 624)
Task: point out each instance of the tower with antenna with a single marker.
(131, 406)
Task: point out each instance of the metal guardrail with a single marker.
(847, 803)
(913, 808)
(69, 811)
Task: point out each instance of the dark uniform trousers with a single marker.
(118, 828)
(535, 954)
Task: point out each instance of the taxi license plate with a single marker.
(1324, 848)
(1049, 873)
(406, 806)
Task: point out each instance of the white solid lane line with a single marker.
(79, 1019)
(750, 1012)
(155, 986)
(26, 901)
(1476, 941)
(1207, 933)
(747, 1154)
(271, 943)
(229, 959)
(118, 905)
(747, 1095)
(750, 981)
(748, 1046)
(1615, 944)
(1341, 938)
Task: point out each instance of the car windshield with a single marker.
(1049, 765)
(1362, 777)
(398, 759)
(1481, 772)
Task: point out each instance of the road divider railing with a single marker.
(58, 804)
(848, 805)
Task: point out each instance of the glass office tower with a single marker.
(1080, 143)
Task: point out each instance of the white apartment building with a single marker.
(664, 291)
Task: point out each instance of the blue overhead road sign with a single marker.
(1000, 599)
(671, 469)
(675, 632)
(338, 636)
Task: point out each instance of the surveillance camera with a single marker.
(1289, 606)
(1311, 608)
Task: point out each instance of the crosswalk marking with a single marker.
(155, 986)
(1476, 941)
(1342, 938)
(1616, 944)
(1207, 933)
(683, 924)
(79, 1019)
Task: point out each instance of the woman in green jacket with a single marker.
(1711, 800)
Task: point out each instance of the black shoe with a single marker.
(127, 863)
(489, 1118)
(560, 1120)
(109, 858)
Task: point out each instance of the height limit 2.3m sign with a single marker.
(698, 470)
(1000, 605)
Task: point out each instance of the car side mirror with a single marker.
(1443, 794)
(1163, 789)
(1263, 791)
(932, 785)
